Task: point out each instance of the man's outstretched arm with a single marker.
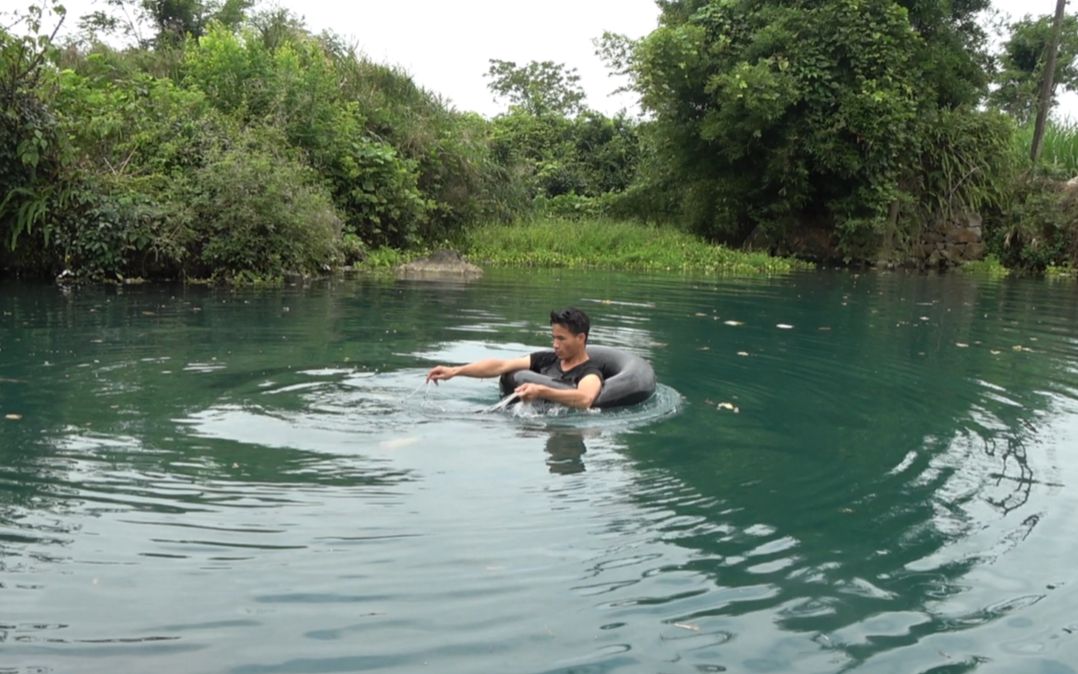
(490, 367)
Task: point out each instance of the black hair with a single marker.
(574, 320)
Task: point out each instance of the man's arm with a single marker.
(581, 397)
(491, 367)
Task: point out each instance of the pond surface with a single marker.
(841, 473)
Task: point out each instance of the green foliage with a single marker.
(537, 88)
(297, 87)
(258, 212)
(110, 230)
(965, 164)
(32, 152)
(612, 245)
(989, 267)
(1022, 65)
(1039, 229)
(776, 114)
(172, 21)
(1059, 149)
(775, 117)
(552, 156)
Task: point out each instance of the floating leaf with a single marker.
(961, 345)
(784, 326)
(13, 417)
(729, 407)
(743, 354)
(733, 323)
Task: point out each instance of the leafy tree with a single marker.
(32, 151)
(772, 116)
(171, 20)
(538, 88)
(1022, 65)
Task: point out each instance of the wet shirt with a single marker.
(547, 363)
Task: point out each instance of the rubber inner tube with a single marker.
(627, 378)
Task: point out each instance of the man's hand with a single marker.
(441, 373)
(529, 392)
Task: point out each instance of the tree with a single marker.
(777, 115)
(538, 88)
(172, 20)
(1022, 65)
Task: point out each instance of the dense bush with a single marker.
(775, 117)
(32, 151)
(587, 156)
(256, 211)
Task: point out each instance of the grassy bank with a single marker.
(607, 244)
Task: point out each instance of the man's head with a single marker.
(569, 329)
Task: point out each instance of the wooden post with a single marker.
(1048, 83)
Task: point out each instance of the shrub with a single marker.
(1040, 227)
(256, 209)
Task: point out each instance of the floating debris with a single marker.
(704, 348)
(730, 407)
(743, 354)
(961, 345)
(824, 328)
(784, 326)
(733, 323)
(13, 417)
(994, 352)
(688, 626)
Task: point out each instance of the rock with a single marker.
(963, 235)
(442, 264)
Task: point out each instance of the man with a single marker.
(568, 363)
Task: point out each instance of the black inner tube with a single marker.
(627, 378)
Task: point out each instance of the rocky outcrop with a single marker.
(442, 264)
(949, 243)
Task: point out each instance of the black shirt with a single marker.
(547, 363)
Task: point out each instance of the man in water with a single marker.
(567, 363)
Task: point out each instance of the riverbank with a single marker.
(612, 244)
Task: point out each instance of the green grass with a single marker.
(608, 244)
(990, 266)
(1060, 148)
(1061, 272)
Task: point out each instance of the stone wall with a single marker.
(949, 243)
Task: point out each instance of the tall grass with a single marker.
(1059, 153)
(610, 244)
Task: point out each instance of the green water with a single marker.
(205, 480)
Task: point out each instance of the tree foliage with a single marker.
(538, 87)
(1022, 65)
(774, 116)
(238, 152)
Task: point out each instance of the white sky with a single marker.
(446, 45)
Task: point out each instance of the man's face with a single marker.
(566, 344)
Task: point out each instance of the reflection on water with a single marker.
(208, 480)
(566, 449)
